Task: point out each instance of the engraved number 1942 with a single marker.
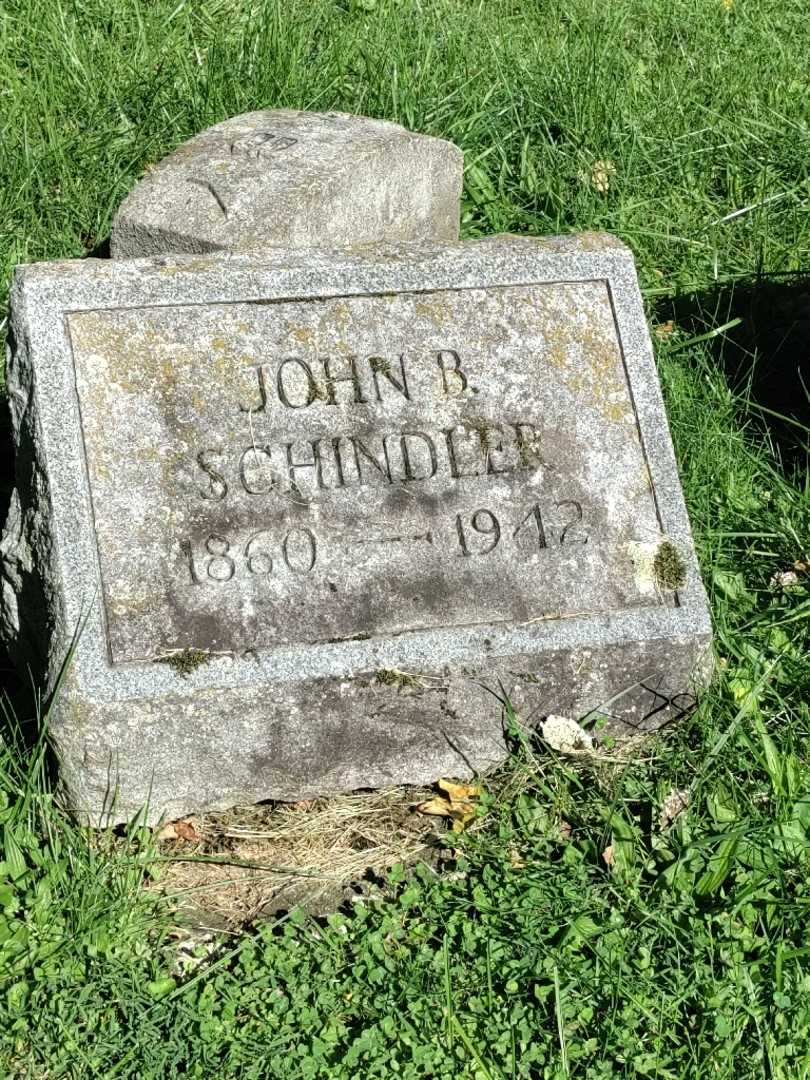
(483, 523)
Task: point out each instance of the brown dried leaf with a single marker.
(664, 330)
(609, 855)
(168, 832)
(673, 806)
(184, 830)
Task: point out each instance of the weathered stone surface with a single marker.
(282, 178)
(373, 492)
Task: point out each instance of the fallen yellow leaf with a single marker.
(456, 805)
(462, 813)
(458, 792)
(438, 806)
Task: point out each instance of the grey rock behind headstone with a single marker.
(358, 625)
(288, 179)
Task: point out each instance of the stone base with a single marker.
(198, 750)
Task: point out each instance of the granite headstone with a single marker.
(282, 178)
(305, 516)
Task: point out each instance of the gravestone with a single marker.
(282, 178)
(305, 517)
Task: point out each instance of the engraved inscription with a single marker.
(477, 533)
(297, 547)
(259, 144)
(209, 188)
(318, 470)
(347, 460)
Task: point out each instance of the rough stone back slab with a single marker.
(373, 493)
(282, 178)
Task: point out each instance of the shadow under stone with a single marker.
(100, 251)
(766, 355)
(19, 704)
(9, 679)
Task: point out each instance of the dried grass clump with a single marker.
(252, 861)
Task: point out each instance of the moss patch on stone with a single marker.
(186, 661)
(392, 677)
(380, 366)
(669, 569)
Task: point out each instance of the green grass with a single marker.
(689, 956)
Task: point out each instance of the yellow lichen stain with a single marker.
(614, 411)
(340, 312)
(223, 364)
(146, 454)
(579, 343)
(303, 334)
(438, 312)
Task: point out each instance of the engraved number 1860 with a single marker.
(298, 550)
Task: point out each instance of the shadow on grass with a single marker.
(764, 353)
